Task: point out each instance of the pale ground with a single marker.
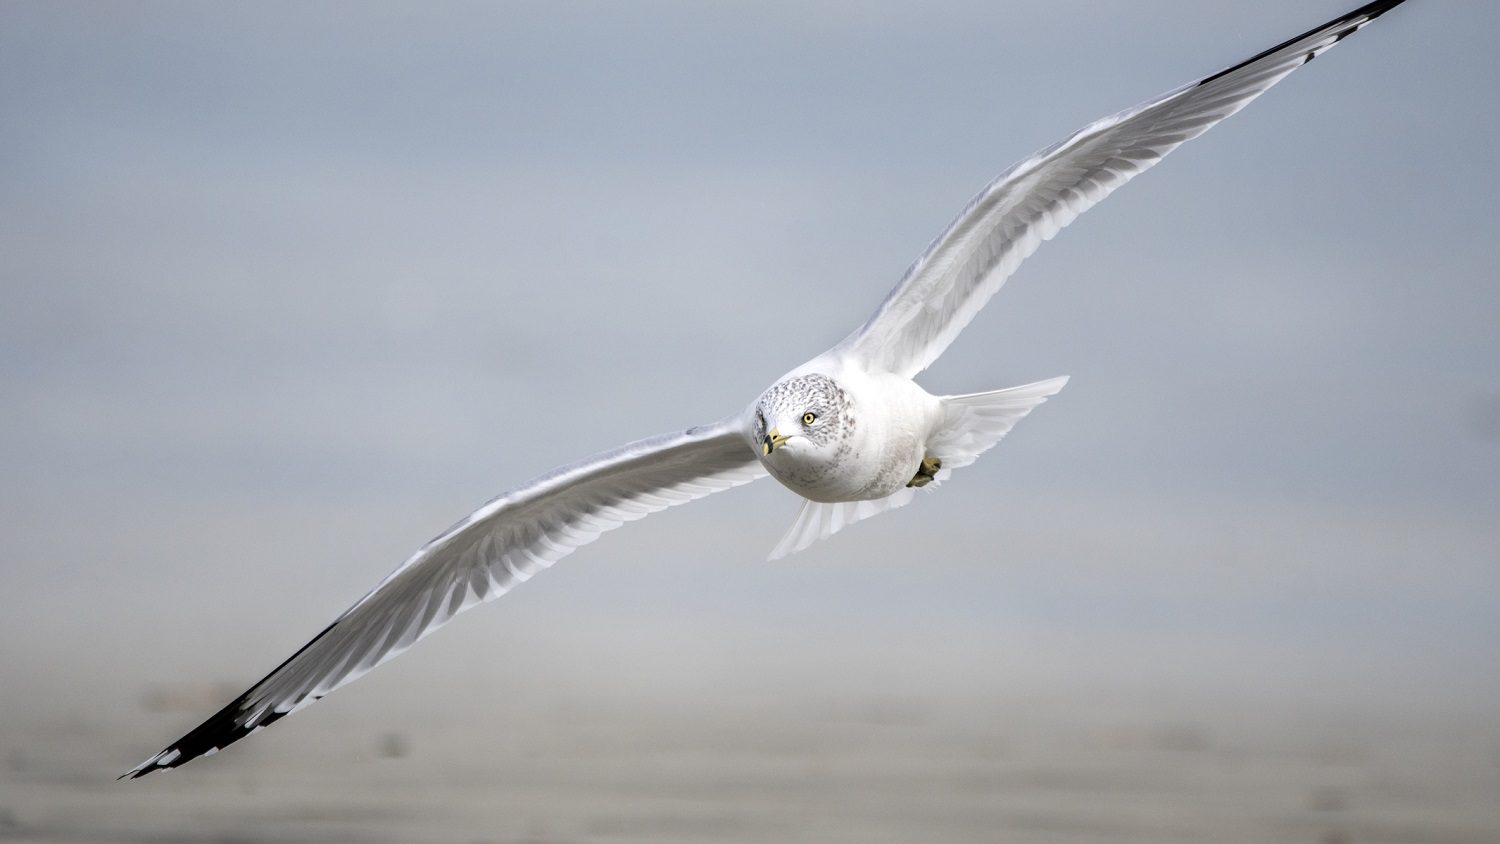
(654, 695)
(873, 768)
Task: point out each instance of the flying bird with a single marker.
(849, 431)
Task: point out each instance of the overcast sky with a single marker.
(290, 288)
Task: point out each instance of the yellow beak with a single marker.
(772, 441)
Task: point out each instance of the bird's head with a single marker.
(802, 423)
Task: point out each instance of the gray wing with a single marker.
(1037, 197)
(481, 558)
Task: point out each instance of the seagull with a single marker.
(849, 431)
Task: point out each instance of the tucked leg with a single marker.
(926, 472)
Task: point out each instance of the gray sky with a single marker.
(291, 288)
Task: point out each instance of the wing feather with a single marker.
(1038, 196)
(480, 558)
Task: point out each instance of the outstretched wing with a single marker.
(481, 558)
(1036, 197)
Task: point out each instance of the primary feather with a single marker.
(479, 559)
(1036, 197)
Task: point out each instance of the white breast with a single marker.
(897, 418)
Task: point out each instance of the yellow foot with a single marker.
(926, 472)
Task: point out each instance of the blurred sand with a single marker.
(867, 769)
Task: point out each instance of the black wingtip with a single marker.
(222, 729)
(1366, 13)
(225, 728)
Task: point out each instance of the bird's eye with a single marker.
(809, 418)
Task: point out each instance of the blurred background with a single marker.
(291, 287)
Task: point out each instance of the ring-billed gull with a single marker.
(849, 431)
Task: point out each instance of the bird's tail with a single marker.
(972, 424)
(975, 422)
